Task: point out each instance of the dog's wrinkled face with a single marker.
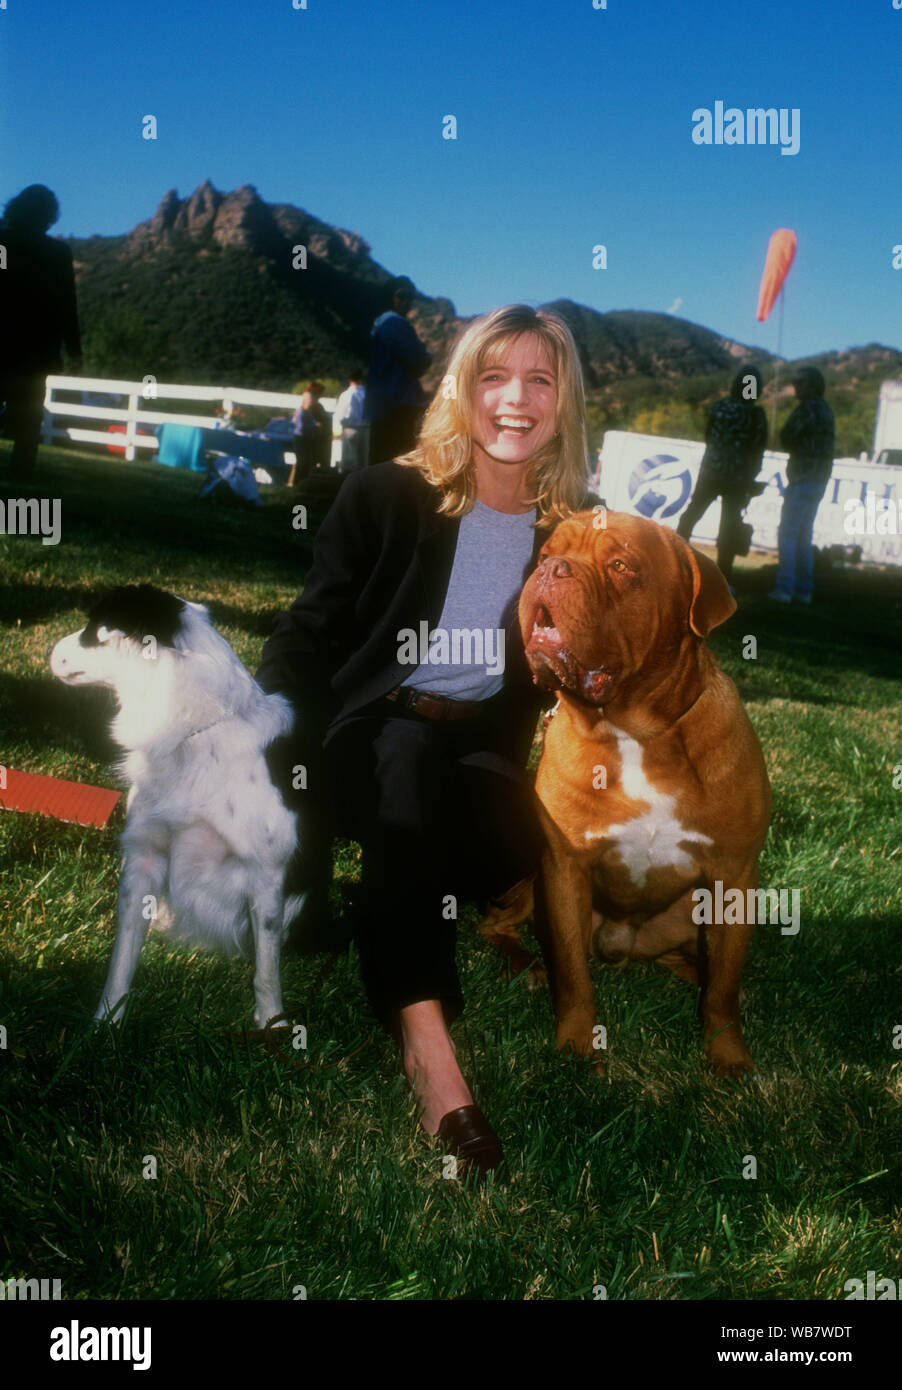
(609, 590)
(130, 625)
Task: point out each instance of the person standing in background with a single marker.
(307, 430)
(809, 437)
(324, 433)
(395, 400)
(735, 440)
(38, 316)
(348, 417)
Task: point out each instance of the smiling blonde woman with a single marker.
(416, 710)
(445, 452)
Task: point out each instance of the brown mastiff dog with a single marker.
(652, 782)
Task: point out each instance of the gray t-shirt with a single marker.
(464, 656)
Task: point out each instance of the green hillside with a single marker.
(207, 291)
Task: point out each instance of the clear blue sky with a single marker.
(574, 128)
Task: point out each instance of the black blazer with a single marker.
(382, 561)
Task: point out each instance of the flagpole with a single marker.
(773, 407)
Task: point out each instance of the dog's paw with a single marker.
(577, 1036)
(538, 976)
(735, 1069)
(273, 1033)
(105, 1017)
(729, 1055)
(272, 1023)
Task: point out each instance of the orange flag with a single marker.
(780, 256)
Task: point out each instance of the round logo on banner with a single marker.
(659, 486)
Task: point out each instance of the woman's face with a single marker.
(515, 402)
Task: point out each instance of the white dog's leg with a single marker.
(266, 922)
(141, 884)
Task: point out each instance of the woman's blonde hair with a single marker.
(558, 474)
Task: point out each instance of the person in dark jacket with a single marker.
(307, 446)
(735, 440)
(324, 422)
(809, 436)
(37, 317)
(395, 400)
(414, 732)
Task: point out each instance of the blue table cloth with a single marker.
(181, 446)
(265, 453)
(185, 446)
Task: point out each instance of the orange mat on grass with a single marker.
(51, 796)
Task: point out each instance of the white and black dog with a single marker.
(208, 837)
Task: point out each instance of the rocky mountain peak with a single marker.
(239, 219)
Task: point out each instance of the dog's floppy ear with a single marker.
(136, 611)
(712, 603)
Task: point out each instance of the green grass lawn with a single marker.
(271, 1176)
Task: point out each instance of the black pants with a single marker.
(732, 500)
(306, 456)
(21, 422)
(442, 814)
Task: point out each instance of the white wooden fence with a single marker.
(138, 409)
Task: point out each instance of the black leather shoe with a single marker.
(467, 1133)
